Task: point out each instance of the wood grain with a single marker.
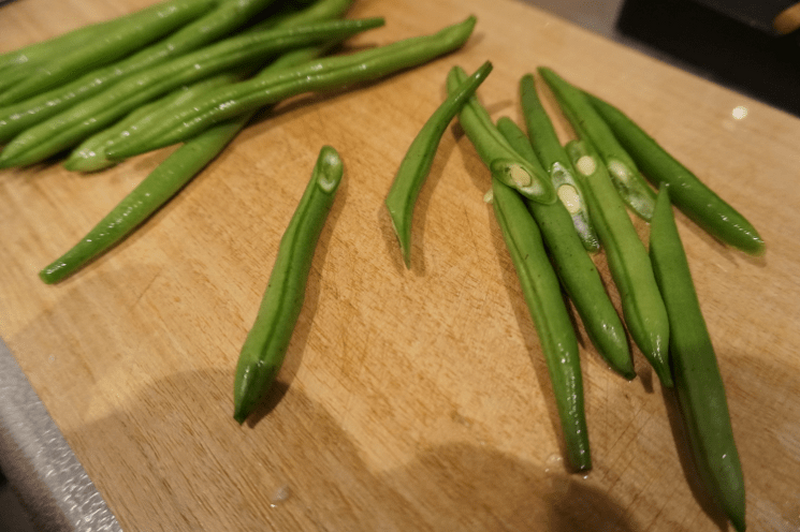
(410, 400)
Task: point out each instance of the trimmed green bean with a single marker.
(416, 163)
(642, 305)
(549, 313)
(227, 17)
(626, 177)
(265, 347)
(544, 140)
(326, 73)
(72, 127)
(701, 204)
(575, 269)
(496, 153)
(137, 31)
(160, 185)
(698, 383)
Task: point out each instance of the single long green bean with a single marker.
(416, 163)
(630, 184)
(642, 305)
(159, 186)
(549, 313)
(146, 27)
(575, 269)
(326, 73)
(693, 197)
(496, 153)
(227, 17)
(72, 127)
(544, 140)
(265, 346)
(698, 383)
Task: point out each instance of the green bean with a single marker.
(630, 184)
(149, 25)
(701, 204)
(549, 313)
(159, 186)
(575, 269)
(326, 73)
(642, 306)
(503, 161)
(68, 129)
(416, 164)
(548, 149)
(265, 346)
(698, 383)
(227, 17)
(89, 156)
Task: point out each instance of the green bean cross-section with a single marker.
(693, 197)
(642, 305)
(416, 164)
(493, 149)
(630, 184)
(265, 347)
(575, 268)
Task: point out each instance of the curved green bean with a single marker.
(630, 184)
(503, 161)
(698, 383)
(544, 140)
(326, 73)
(227, 17)
(147, 26)
(159, 186)
(701, 204)
(575, 269)
(549, 313)
(642, 305)
(416, 164)
(265, 346)
(76, 124)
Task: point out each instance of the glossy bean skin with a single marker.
(325, 73)
(544, 140)
(576, 270)
(78, 123)
(159, 186)
(145, 27)
(642, 305)
(698, 383)
(630, 184)
(695, 199)
(227, 17)
(416, 163)
(265, 347)
(542, 294)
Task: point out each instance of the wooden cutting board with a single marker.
(410, 400)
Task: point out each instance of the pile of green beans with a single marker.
(550, 248)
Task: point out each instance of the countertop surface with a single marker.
(410, 399)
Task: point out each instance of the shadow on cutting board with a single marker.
(191, 467)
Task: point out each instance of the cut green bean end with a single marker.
(515, 175)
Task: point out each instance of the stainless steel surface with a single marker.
(39, 464)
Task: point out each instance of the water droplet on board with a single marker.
(281, 495)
